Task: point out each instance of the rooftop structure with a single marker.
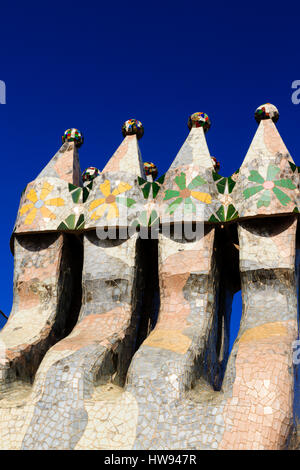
(123, 284)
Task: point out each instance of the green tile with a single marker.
(173, 206)
(264, 199)
(286, 183)
(155, 189)
(213, 219)
(189, 206)
(293, 166)
(256, 177)
(283, 198)
(62, 226)
(251, 191)
(216, 176)
(222, 185)
(80, 222)
(231, 212)
(85, 194)
(76, 195)
(141, 181)
(146, 190)
(272, 172)
(126, 201)
(161, 179)
(70, 221)
(170, 193)
(72, 187)
(196, 182)
(231, 184)
(153, 219)
(181, 181)
(221, 214)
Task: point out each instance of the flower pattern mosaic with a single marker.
(110, 201)
(269, 185)
(223, 200)
(185, 193)
(40, 203)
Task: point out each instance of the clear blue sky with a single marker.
(92, 65)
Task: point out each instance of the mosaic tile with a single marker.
(145, 364)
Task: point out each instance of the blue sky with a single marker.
(92, 65)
